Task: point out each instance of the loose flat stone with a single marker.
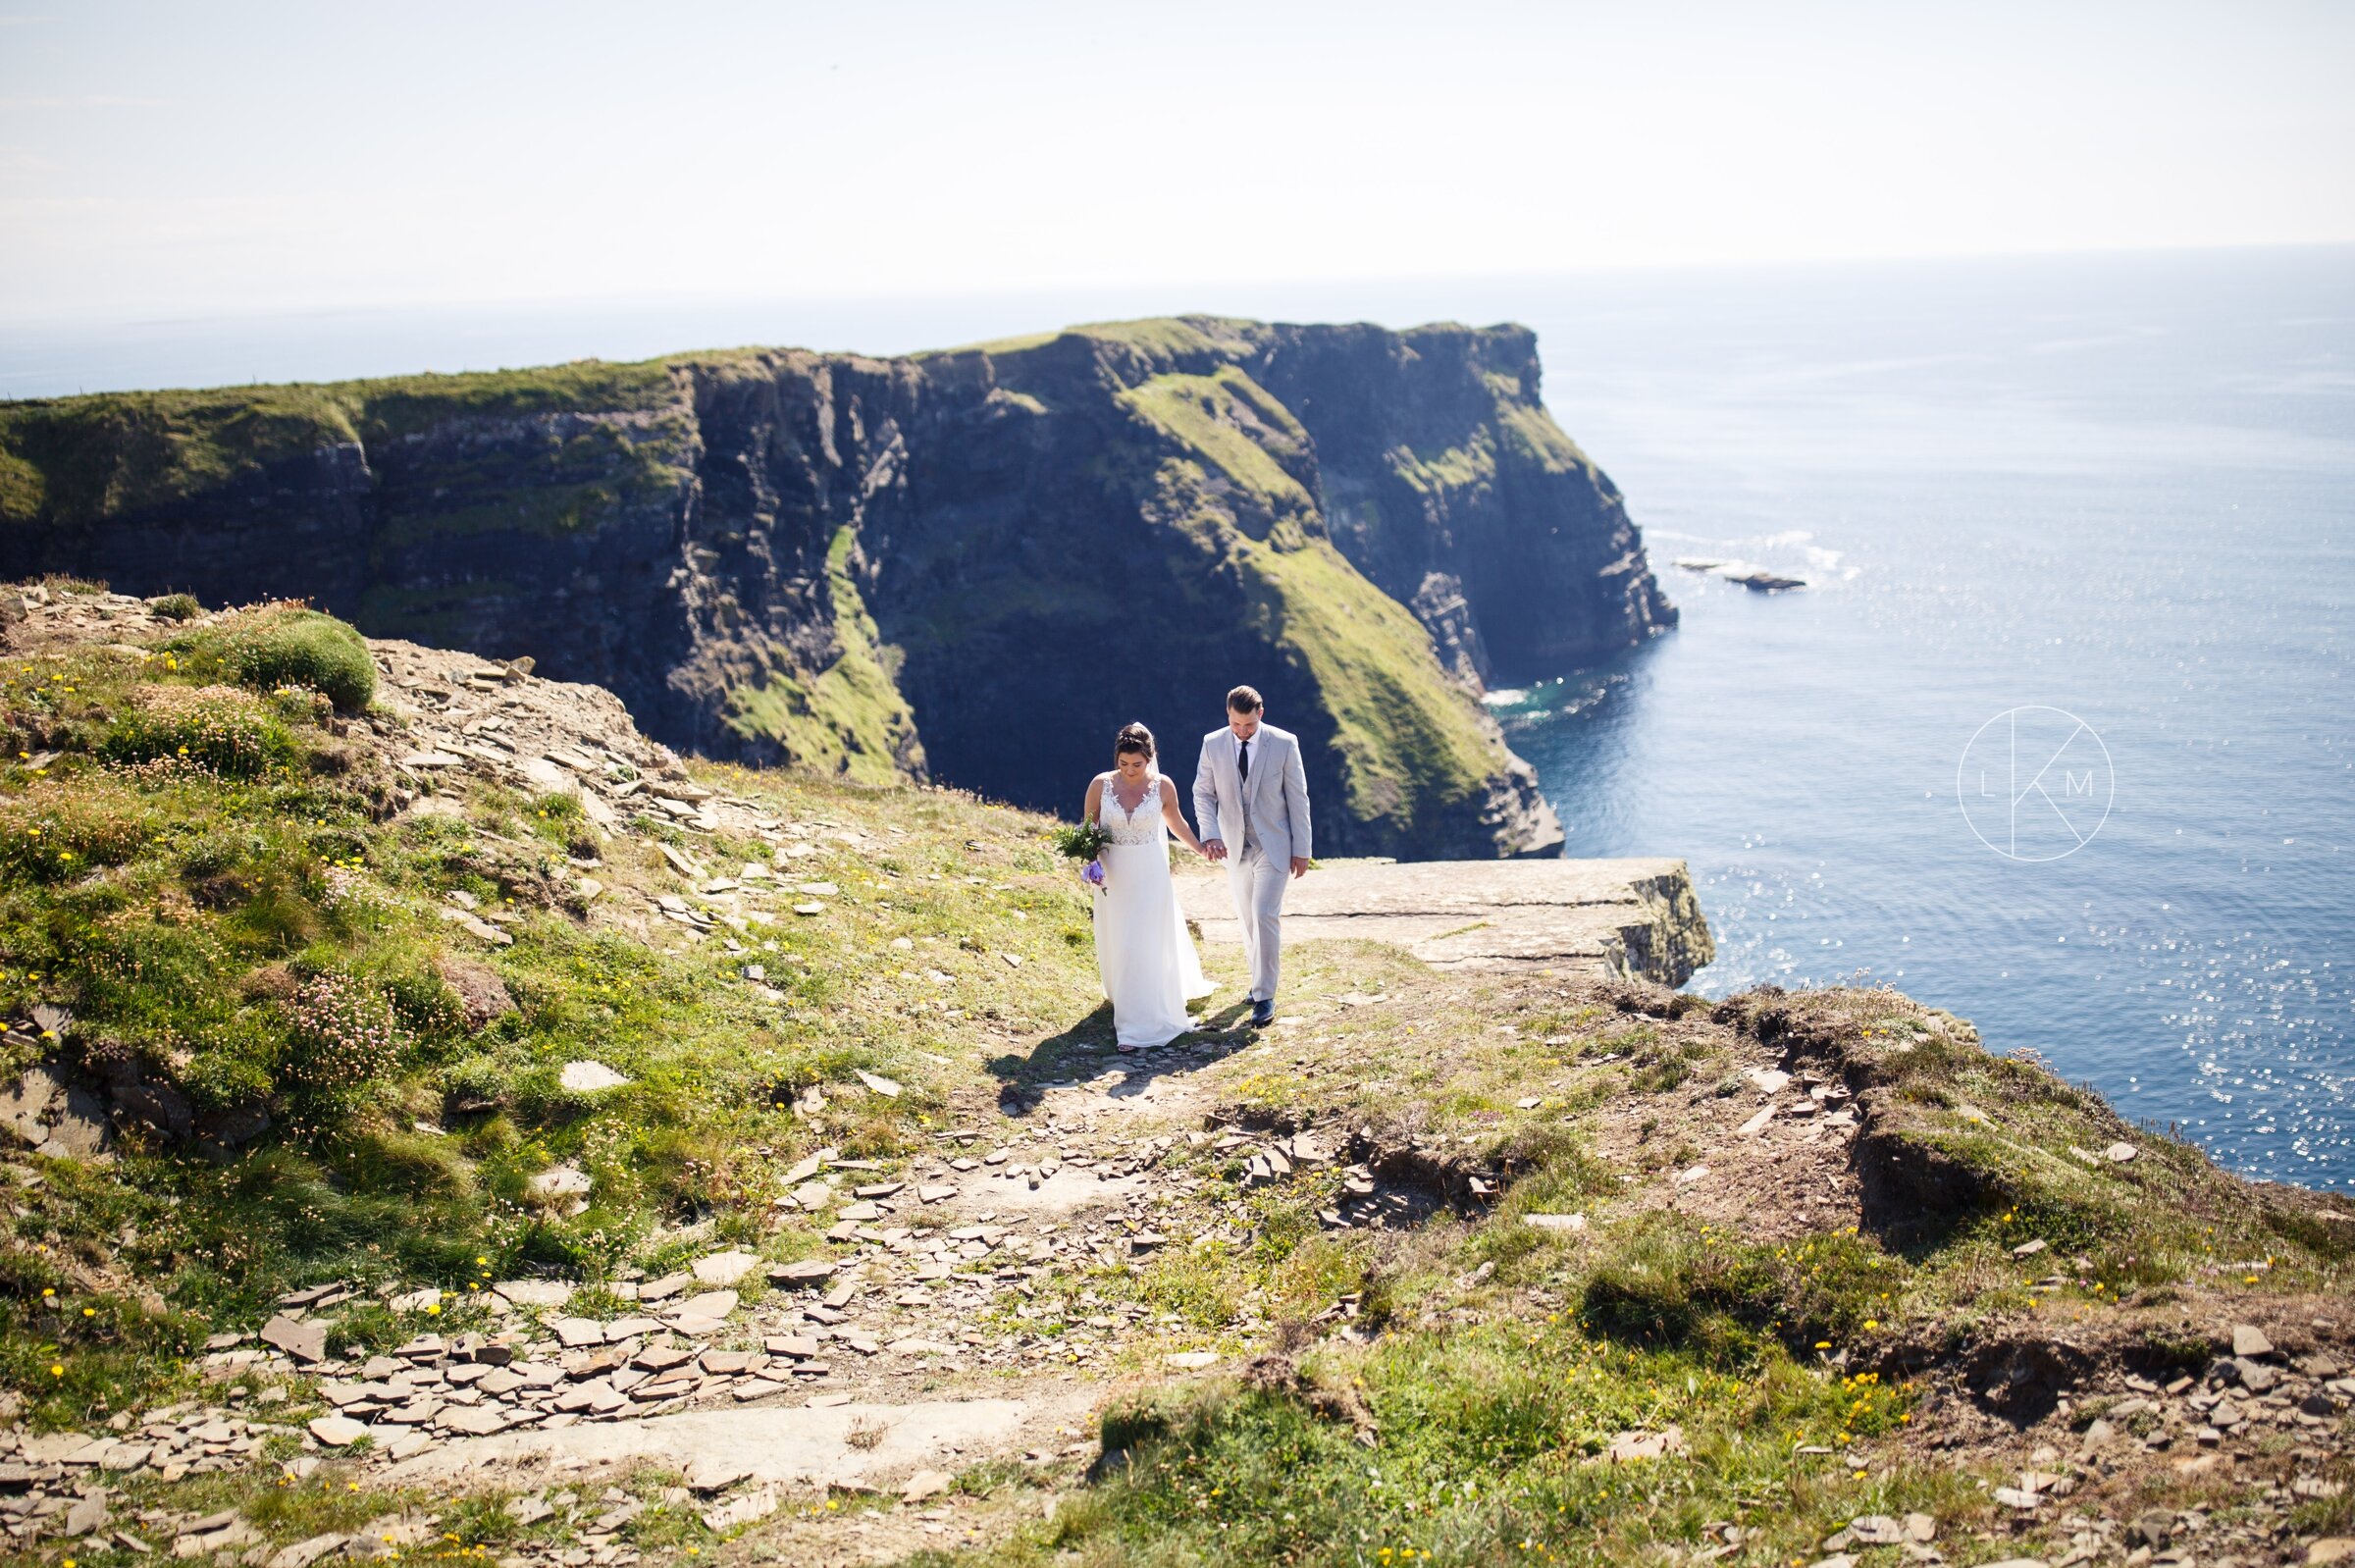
(662, 1289)
(1191, 1360)
(724, 1268)
(303, 1554)
(304, 1341)
(475, 1421)
(2119, 1153)
(575, 1334)
(802, 1272)
(2028, 1249)
(711, 1304)
(561, 1181)
(1756, 1124)
(338, 1432)
(533, 1293)
(1685, 1178)
(589, 1076)
(2250, 1342)
(749, 1508)
(925, 1484)
(1630, 1446)
(889, 1088)
(1556, 1222)
(416, 1300)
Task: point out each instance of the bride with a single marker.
(1146, 959)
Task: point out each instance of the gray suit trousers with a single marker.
(1258, 884)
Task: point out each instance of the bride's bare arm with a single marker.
(1172, 814)
(1093, 811)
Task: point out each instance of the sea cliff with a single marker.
(967, 565)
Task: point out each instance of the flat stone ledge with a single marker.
(1614, 918)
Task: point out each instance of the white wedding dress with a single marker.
(1143, 952)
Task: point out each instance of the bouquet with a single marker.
(1086, 841)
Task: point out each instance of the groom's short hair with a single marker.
(1244, 700)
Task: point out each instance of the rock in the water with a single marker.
(587, 1077)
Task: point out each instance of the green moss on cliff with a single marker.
(76, 459)
(849, 720)
(1413, 750)
(1233, 428)
(79, 459)
(1411, 745)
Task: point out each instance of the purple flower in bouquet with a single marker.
(1092, 873)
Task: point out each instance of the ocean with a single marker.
(2057, 735)
(2117, 493)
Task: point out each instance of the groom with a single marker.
(1251, 798)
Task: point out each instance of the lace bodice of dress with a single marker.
(1140, 826)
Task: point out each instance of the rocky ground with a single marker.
(929, 1374)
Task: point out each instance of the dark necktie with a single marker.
(1242, 762)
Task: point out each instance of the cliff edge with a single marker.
(886, 568)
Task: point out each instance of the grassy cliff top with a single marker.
(71, 459)
(1488, 1268)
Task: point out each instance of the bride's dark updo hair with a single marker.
(1132, 738)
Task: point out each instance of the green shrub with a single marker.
(54, 835)
(177, 606)
(1671, 1282)
(345, 1039)
(218, 728)
(286, 645)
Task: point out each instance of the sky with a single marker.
(169, 160)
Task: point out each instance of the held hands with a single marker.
(1214, 849)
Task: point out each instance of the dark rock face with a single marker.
(1450, 487)
(973, 564)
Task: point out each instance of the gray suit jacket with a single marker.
(1274, 802)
